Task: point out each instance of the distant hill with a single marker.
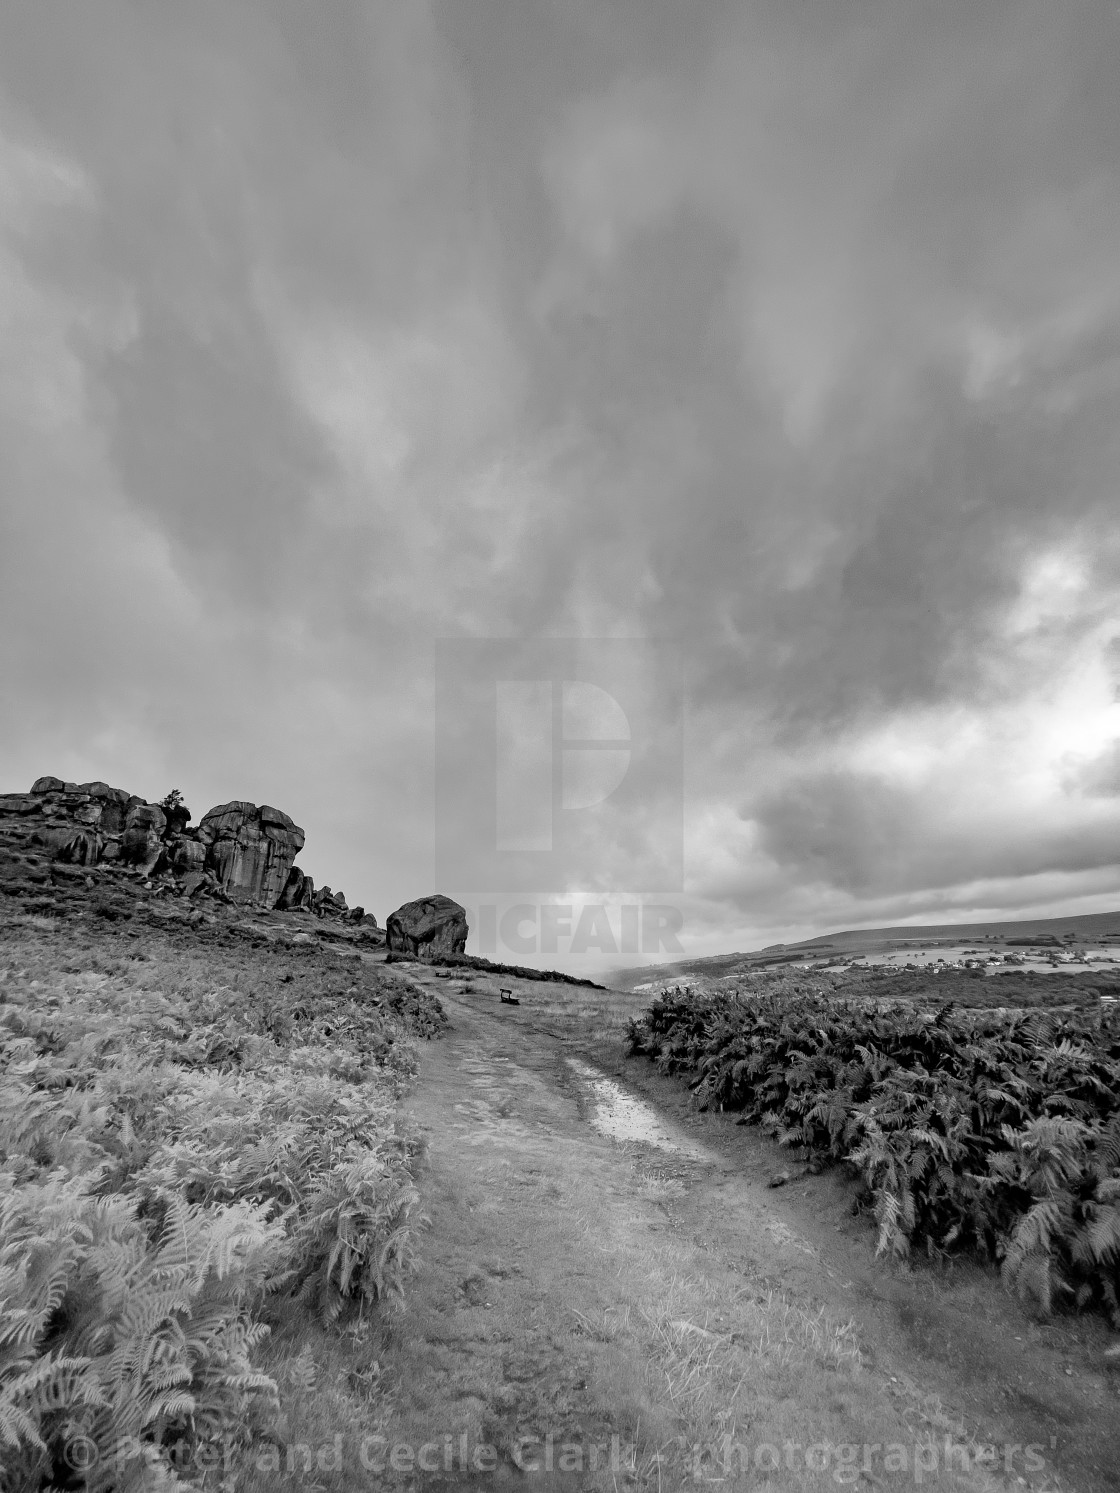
(1087, 928)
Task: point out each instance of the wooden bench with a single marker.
(509, 998)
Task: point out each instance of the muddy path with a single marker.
(604, 1262)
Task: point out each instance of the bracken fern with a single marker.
(174, 1166)
(992, 1129)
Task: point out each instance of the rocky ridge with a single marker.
(64, 838)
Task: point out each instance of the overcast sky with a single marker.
(785, 333)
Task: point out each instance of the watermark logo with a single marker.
(562, 746)
(559, 764)
(925, 1461)
(524, 929)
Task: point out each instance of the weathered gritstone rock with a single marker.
(22, 804)
(298, 893)
(178, 817)
(187, 856)
(238, 853)
(48, 785)
(329, 904)
(250, 850)
(147, 817)
(111, 804)
(197, 881)
(87, 824)
(427, 928)
(142, 842)
(81, 849)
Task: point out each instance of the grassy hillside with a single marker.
(199, 1143)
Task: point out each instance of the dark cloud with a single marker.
(869, 837)
(790, 335)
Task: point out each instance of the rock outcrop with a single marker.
(427, 928)
(298, 893)
(188, 856)
(237, 853)
(329, 904)
(142, 842)
(250, 850)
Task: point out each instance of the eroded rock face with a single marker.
(146, 819)
(298, 894)
(329, 904)
(142, 842)
(111, 805)
(178, 817)
(187, 856)
(238, 853)
(79, 823)
(427, 928)
(250, 850)
(83, 848)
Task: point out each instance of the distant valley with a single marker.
(1091, 938)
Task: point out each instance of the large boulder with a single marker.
(427, 928)
(47, 785)
(250, 850)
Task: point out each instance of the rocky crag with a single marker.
(239, 858)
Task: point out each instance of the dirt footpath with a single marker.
(647, 1313)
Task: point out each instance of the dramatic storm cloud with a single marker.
(785, 336)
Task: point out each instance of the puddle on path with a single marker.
(626, 1118)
